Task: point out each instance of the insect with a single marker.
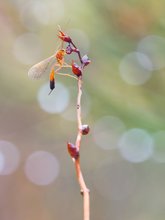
(47, 66)
(53, 64)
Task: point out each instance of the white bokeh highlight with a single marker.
(57, 101)
(159, 146)
(135, 68)
(114, 181)
(9, 158)
(2, 161)
(153, 47)
(33, 14)
(107, 131)
(27, 48)
(136, 145)
(41, 168)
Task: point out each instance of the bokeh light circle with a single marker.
(33, 14)
(107, 131)
(159, 146)
(27, 48)
(56, 10)
(136, 145)
(57, 101)
(2, 161)
(135, 68)
(42, 168)
(9, 157)
(114, 181)
(153, 46)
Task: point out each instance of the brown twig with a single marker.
(36, 72)
(84, 190)
(74, 150)
(65, 74)
(83, 187)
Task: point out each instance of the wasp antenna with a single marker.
(59, 27)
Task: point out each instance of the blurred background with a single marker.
(123, 157)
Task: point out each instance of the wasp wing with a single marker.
(42, 68)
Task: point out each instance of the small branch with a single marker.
(79, 55)
(77, 51)
(79, 135)
(65, 74)
(83, 187)
(64, 65)
(84, 190)
(36, 72)
(74, 150)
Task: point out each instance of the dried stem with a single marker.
(74, 149)
(79, 135)
(83, 187)
(36, 72)
(84, 190)
(65, 74)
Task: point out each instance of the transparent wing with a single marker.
(42, 68)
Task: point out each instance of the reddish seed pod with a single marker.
(73, 151)
(85, 129)
(76, 69)
(64, 37)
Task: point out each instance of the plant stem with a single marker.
(79, 135)
(84, 190)
(65, 74)
(83, 187)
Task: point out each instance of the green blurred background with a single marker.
(123, 102)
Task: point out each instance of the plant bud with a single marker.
(76, 69)
(85, 129)
(64, 37)
(69, 49)
(73, 151)
(85, 60)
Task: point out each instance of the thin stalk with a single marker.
(65, 74)
(83, 187)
